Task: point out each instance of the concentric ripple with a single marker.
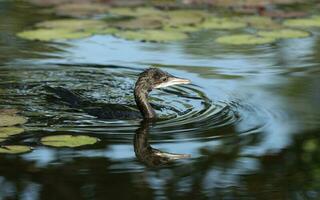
(203, 114)
(185, 112)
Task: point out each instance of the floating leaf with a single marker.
(9, 131)
(14, 149)
(103, 31)
(153, 35)
(139, 23)
(135, 12)
(222, 23)
(284, 14)
(284, 33)
(259, 22)
(71, 24)
(68, 140)
(52, 34)
(186, 29)
(306, 22)
(244, 39)
(80, 9)
(184, 17)
(11, 120)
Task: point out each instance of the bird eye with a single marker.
(164, 79)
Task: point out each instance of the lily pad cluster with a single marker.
(9, 122)
(262, 37)
(156, 25)
(121, 21)
(63, 29)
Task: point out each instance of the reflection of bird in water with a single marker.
(148, 155)
(148, 80)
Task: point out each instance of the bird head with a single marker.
(156, 78)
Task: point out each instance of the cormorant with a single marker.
(148, 80)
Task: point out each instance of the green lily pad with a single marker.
(68, 140)
(244, 39)
(153, 35)
(11, 120)
(52, 34)
(189, 12)
(284, 33)
(139, 23)
(80, 9)
(102, 31)
(135, 12)
(259, 22)
(71, 24)
(184, 17)
(9, 131)
(306, 22)
(14, 149)
(185, 29)
(222, 23)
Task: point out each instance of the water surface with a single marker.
(247, 119)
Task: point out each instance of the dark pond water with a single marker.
(247, 119)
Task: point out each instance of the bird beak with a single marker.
(173, 81)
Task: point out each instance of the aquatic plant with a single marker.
(9, 131)
(11, 120)
(68, 140)
(52, 34)
(244, 39)
(153, 35)
(14, 149)
(71, 24)
(150, 24)
(304, 22)
(140, 23)
(221, 23)
(284, 34)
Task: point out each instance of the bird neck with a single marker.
(141, 97)
(142, 147)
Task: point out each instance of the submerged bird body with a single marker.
(99, 110)
(148, 80)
